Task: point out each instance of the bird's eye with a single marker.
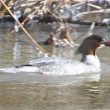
(102, 41)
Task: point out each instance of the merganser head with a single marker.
(90, 44)
(50, 40)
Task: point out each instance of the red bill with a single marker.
(107, 43)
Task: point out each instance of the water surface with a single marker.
(40, 92)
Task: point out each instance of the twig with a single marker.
(94, 6)
(55, 16)
(90, 32)
(29, 36)
(26, 19)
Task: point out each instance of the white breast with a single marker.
(91, 60)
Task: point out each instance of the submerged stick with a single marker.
(29, 36)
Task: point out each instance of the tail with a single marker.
(8, 70)
(19, 69)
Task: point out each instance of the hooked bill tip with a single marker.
(107, 43)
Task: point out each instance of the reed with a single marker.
(26, 32)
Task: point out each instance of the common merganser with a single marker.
(61, 66)
(50, 40)
(64, 39)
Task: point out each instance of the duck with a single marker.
(63, 40)
(54, 65)
(51, 40)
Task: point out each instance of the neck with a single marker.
(91, 59)
(89, 52)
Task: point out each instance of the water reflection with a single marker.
(41, 96)
(16, 51)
